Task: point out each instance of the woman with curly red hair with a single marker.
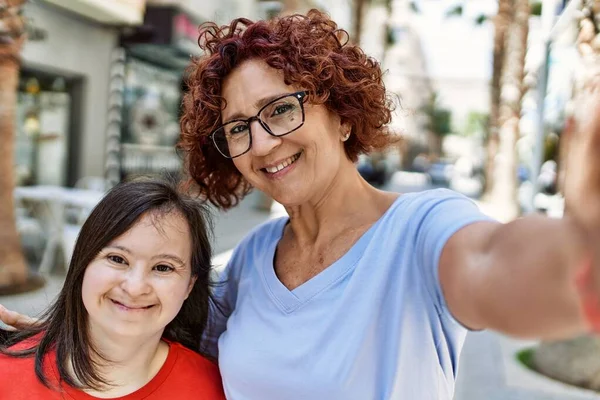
(359, 293)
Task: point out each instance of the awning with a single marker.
(111, 12)
(168, 37)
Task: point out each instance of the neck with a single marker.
(348, 201)
(131, 362)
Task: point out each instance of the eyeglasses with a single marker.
(279, 117)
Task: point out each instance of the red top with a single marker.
(184, 375)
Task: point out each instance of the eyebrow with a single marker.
(260, 103)
(161, 256)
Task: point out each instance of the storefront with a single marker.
(64, 87)
(44, 128)
(150, 129)
(156, 55)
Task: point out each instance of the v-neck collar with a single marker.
(290, 300)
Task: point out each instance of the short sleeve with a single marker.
(442, 213)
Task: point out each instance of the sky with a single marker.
(456, 47)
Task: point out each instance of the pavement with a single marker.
(488, 368)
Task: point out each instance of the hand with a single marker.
(14, 320)
(582, 180)
(582, 195)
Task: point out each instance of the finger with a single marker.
(15, 320)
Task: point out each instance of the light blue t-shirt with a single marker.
(373, 325)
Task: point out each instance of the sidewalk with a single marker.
(489, 370)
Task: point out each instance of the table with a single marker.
(55, 200)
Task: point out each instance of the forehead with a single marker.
(250, 82)
(155, 232)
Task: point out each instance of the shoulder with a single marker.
(430, 198)
(254, 246)
(193, 367)
(17, 374)
(24, 362)
(443, 205)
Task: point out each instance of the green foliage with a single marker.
(481, 19)
(476, 124)
(525, 357)
(390, 37)
(456, 11)
(536, 8)
(439, 120)
(414, 7)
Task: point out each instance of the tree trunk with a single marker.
(505, 189)
(577, 361)
(501, 24)
(357, 20)
(14, 274)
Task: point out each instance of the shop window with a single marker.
(42, 129)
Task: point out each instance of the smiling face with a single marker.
(295, 168)
(138, 282)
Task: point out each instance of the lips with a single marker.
(131, 307)
(282, 165)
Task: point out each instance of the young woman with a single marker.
(127, 320)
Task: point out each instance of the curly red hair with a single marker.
(310, 52)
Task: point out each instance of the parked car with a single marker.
(374, 169)
(441, 172)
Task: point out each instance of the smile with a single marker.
(130, 308)
(282, 165)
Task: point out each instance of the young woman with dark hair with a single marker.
(135, 301)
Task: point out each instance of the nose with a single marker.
(135, 282)
(262, 141)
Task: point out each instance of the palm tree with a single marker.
(14, 274)
(577, 361)
(505, 185)
(358, 14)
(501, 24)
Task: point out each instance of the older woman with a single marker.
(359, 293)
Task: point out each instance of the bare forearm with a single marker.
(527, 283)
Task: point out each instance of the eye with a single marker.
(282, 109)
(163, 268)
(116, 259)
(240, 128)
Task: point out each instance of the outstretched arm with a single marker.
(524, 278)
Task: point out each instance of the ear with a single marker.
(191, 286)
(345, 129)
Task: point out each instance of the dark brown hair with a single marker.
(313, 55)
(64, 325)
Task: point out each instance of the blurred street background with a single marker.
(486, 88)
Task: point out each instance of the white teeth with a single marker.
(283, 164)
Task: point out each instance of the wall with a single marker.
(79, 48)
(221, 11)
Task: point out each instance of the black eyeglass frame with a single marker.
(301, 96)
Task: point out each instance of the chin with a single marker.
(290, 198)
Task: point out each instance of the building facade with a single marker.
(63, 94)
(101, 85)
